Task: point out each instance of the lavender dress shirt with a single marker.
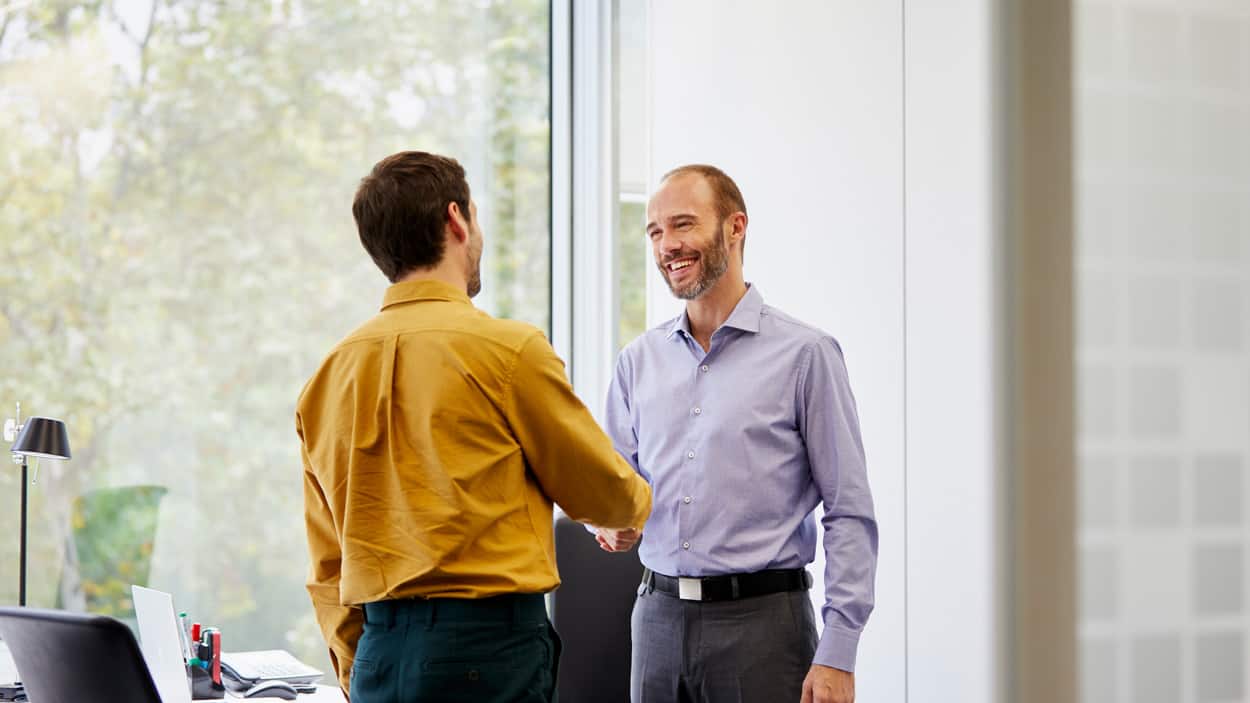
(739, 445)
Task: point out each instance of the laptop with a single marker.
(161, 643)
(162, 650)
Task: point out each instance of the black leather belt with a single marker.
(729, 587)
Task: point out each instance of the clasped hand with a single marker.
(617, 540)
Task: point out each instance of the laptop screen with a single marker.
(8, 670)
(161, 644)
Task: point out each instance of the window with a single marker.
(633, 252)
(176, 181)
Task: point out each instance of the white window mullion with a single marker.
(562, 178)
(593, 193)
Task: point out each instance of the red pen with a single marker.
(217, 657)
(195, 632)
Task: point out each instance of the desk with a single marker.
(324, 694)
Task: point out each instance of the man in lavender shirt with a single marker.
(742, 420)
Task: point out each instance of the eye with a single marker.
(653, 234)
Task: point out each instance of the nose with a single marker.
(667, 243)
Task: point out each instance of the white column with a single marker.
(593, 201)
(956, 582)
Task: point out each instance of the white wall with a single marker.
(956, 578)
(803, 108)
(885, 243)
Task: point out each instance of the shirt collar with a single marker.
(681, 323)
(745, 315)
(425, 289)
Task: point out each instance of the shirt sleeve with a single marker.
(570, 455)
(830, 428)
(618, 416)
(340, 625)
(619, 420)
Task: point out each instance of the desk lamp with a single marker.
(42, 438)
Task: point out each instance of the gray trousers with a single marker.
(751, 650)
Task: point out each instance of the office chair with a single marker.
(591, 612)
(64, 656)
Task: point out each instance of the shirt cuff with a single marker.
(837, 648)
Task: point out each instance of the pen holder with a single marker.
(202, 685)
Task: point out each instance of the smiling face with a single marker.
(688, 235)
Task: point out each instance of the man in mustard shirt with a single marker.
(435, 439)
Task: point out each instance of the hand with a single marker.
(617, 540)
(825, 684)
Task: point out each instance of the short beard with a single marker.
(714, 262)
(475, 278)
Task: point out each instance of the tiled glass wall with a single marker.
(1163, 274)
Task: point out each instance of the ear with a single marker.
(457, 225)
(737, 226)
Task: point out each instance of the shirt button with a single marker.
(704, 368)
(698, 411)
(685, 545)
(689, 455)
(686, 500)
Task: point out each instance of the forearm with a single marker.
(574, 461)
(618, 499)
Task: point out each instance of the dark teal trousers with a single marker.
(493, 650)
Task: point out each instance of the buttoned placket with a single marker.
(691, 476)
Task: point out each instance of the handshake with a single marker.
(617, 540)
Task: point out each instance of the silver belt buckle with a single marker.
(689, 589)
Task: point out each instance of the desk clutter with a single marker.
(184, 655)
(201, 649)
(62, 656)
(271, 673)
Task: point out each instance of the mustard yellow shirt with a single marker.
(434, 440)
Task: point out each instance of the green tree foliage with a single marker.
(631, 272)
(175, 188)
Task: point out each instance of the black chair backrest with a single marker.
(591, 611)
(64, 656)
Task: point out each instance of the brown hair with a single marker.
(724, 190)
(401, 210)
(728, 197)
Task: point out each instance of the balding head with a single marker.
(726, 197)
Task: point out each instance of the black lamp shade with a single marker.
(44, 438)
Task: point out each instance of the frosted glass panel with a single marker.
(1221, 668)
(1162, 133)
(1218, 490)
(1156, 669)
